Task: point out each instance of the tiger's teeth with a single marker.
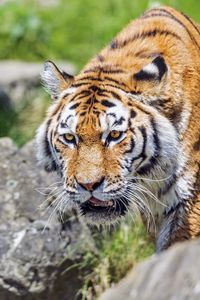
(96, 202)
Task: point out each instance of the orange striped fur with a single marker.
(124, 134)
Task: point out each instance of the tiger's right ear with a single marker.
(55, 81)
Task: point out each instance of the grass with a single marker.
(116, 253)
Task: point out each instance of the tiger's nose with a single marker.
(91, 186)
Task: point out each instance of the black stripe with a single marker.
(147, 34)
(155, 138)
(47, 147)
(103, 93)
(145, 169)
(161, 67)
(82, 113)
(100, 57)
(85, 94)
(114, 80)
(57, 109)
(94, 88)
(174, 208)
(144, 54)
(107, 103)
(58, 116)
(143, 75)
(135, 93)
(181, 23)
(158, 103)
(106, 71)
(112, 114)
(74, 106)
(142, 109)
(142, 153)
(96, 112)
(133, 114)
(132, 145)
(153, 160)
(82, 94)
(196, 145)
(115, 95)
(143, 131)
(114, 86)
(114, 45)
(114, 71)
(168, 185)
(89, 101)
(175, 116)
(189, 20)
(82, 81)
(90, 78)
(119, 121)
(64, 124)
(80, 84)
(149, 16)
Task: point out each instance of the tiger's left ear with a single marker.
(153, 71)
(54, 80)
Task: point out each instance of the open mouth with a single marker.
(97, 206)
(99, 203)
(94, 204)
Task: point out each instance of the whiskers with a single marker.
(152, 180)
(137, 196)
(55, 204)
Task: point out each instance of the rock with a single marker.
(19, 79)
(37, 259)
(5, 101)
(172, 275)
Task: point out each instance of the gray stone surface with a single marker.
(172, 275)
(34, 255)
(18, 80)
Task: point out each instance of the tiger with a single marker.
(124, 134)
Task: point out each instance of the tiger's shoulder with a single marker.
(161, 29)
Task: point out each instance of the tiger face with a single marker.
(103, 139)
(124, 133)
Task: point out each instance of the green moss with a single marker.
(116, 253)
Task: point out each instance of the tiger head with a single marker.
(103, 135)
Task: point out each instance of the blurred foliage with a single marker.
(21, 122)
(71, 30)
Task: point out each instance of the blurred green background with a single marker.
(73, 31)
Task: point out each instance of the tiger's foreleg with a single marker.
(179, 224)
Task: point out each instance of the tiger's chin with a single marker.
(98, 212)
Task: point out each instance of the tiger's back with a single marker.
(153, 68)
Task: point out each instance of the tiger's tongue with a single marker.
(96, 202)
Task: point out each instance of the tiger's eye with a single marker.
(115, 134)
(69, 137)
